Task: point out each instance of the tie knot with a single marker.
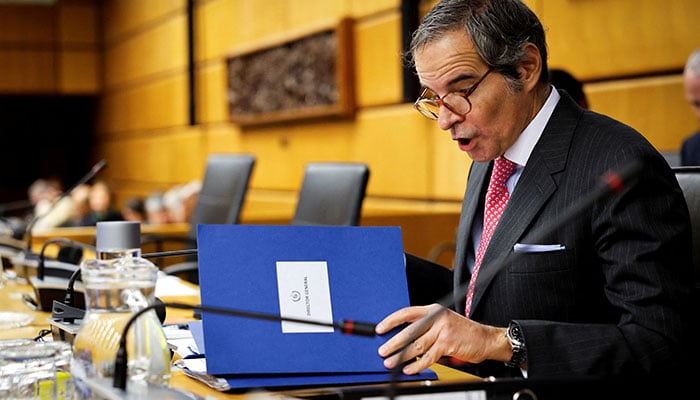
(503, 168)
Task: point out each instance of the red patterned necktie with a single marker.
(496, 198)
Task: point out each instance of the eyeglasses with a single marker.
(457, 101)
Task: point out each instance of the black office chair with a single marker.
(220, 201)
(689, 179)
(331, 193)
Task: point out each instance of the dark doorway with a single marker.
(43, 137)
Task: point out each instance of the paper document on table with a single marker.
(169, 286)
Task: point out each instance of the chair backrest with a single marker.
(689, 180)
(223, 191)
(331, 193)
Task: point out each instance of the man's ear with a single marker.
(531, 66)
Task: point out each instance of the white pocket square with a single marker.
(537, 248)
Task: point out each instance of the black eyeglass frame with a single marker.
(425, 105)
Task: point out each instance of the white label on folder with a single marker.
(305, 294)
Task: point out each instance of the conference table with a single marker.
(11, 301)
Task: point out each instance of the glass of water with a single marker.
(34, 370)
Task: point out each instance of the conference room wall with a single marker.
(50, 50)
(628, 52)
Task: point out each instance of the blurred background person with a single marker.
(690, 149)
(81, 205)
(50, 209)
(156, 212)
(181, 200)
(134, 209)
(562, 79)
(102, 208)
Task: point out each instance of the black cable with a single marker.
(349, 327)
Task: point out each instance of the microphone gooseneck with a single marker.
(610, 183)
(93, 171)
(121, 361)
(171, 253)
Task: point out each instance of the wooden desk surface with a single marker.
(10, 300)
(86, 234)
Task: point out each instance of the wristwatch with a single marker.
(517, 342)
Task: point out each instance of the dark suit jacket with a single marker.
(614, 302)
(690, 150)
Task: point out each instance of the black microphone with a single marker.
(95, 169)
(610, 183)
(170, 253)
(346, 326)
(48, 290)
(67, 311)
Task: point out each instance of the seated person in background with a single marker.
(562, 79)
(690, 149)
(180, 201)
(607, 294)
(81, 205)
(50, 210)
(134, 210)
(156, 212)
(102, 207)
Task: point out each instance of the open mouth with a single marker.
(464, 141)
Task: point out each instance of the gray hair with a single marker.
(498, 28)
(693, 63)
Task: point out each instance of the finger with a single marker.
(397, 318)
(408, 352)
(418, 365)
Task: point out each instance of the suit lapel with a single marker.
(535, 186)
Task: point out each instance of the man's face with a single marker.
(498, 114)
(691, 85)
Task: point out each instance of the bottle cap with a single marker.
(122, 235)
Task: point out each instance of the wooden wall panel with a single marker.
(604, 39)
(398, 154)
(364, 8)
(211, 92)
(78, 23)
(217, 29)
(283, 150)
(223, 138)
(160, 104)
(378, 72)
(27, 24)
(79, 72)
(161, 49)
(27, 71)
(655, 106)
(123, 17)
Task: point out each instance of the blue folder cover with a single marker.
(238, 269)
(270, 381)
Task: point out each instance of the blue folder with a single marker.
(237, 269)
(279, 381)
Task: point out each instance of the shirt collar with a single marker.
(521, 150)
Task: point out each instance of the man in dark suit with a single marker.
(605, 295)
(690, 149)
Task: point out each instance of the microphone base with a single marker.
(54, 288)
(64, 331)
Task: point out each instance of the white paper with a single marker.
(304, 293)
